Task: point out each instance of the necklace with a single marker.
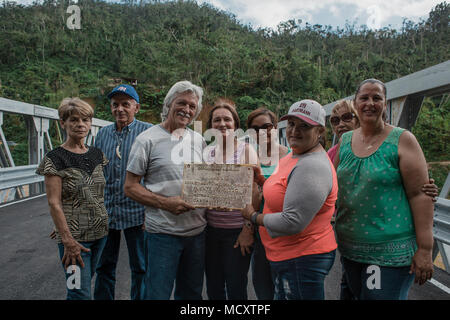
(119, 138)
(374, 140)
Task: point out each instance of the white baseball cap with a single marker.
(309, 111)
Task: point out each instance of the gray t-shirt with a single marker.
(309, 184)
(159, 157)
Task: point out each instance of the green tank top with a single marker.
(374, 223)
(267, 172)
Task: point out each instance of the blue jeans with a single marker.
(106, 268)
(346, 293)
(379, 283)
(226, 268)
(302, 278)
(90, 260)
(172, 259)
(261, 273)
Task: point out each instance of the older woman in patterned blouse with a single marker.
(74, 184)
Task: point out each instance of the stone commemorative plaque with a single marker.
(217, 185)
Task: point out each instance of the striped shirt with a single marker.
(123, 212)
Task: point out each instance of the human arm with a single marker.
(336, 157)
(72, 248)
(245, 239)
(413, 170)
(139, 164)
(301, 203)
(134, 190)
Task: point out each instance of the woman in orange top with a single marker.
(299, 202)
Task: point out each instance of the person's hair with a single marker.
(225, 104)
(322, 140)
(348, 105)
(259, 112)
(70, 106)
(372, 80)
(175, 90)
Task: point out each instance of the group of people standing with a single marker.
(128, 181)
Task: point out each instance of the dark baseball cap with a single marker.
(125, 89)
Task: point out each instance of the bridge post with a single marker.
(6, 158)
(394, 110)
(37, 129)
(410, 111)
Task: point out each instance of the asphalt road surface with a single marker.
(30, 268)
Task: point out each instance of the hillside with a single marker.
(42, 61)
(157, 44)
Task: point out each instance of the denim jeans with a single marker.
(106, 268)
(90, 260)
(302, 278)
(391, 283)
(226, 268)
(261, 273)
(346, 293)
(172, 259)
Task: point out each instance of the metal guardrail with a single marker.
(441, 225)
(441, 228)
(18, 176)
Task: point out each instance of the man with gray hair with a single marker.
(174, 230)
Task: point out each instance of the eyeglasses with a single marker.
(346, 117)
(266, 126)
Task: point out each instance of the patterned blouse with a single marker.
(82, 190)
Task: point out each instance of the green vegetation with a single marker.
(42, 61)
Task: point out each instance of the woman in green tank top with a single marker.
(384, 221)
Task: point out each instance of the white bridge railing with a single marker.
(18, 182)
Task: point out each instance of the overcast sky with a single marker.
(373, 14)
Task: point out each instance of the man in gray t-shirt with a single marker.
(174, 230)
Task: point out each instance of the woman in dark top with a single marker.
(74, 184)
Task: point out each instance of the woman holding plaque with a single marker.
(299, 202)
(228, 238)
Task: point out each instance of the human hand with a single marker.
(177, 205)
(258, 177)
(431, 190)
(72, 253)
(245, 240)
(247, 211)
(422, 266)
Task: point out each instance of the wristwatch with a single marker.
(253, 217)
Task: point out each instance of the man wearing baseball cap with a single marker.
(299, 202)
(125, 214)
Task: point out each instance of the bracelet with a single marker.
(253, 217)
